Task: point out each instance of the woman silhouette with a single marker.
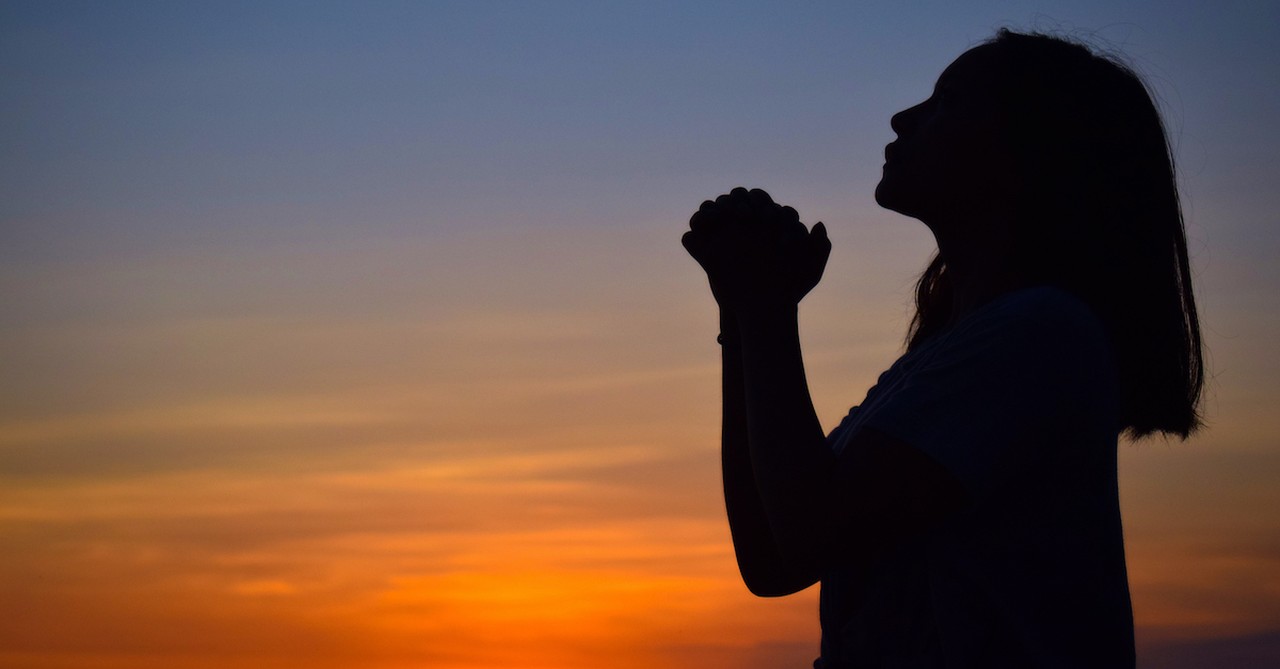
(966, 513)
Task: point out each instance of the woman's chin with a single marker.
(888, 196)
(897, 201)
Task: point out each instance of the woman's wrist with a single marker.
(757, 317)
(766, 319)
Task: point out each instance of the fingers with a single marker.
(689, 240)
(739, 197)
(696, 245)
(750, 207)
(734, 204)
(819, 241)
(742, 196)
(726, 206)
(701, 219)
(760, 199)
(704, 215)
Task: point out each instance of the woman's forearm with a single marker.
(756, 252)
(793, 469)
(763, 569)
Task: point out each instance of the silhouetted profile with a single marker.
(966, 513)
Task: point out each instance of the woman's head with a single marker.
(951, 160)
(1078, 162)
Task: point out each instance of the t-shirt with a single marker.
(1020, 402)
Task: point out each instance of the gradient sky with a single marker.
(360, 335)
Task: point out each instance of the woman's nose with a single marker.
(895, 121)
(901, 121)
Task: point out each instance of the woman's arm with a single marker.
(792, 507)
(764, 570)
(819, 508)
(794, 470)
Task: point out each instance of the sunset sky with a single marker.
(359, 335)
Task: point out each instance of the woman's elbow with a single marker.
(775, 589)
(776, 582)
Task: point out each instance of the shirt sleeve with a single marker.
(1009, 383)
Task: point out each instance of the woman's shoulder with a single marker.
(1039, 327)
(1040, 301)
(1042, 311)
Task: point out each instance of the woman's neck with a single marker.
(979, 268)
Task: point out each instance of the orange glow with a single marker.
(477, 561)
(561, 516)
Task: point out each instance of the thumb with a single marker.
(818, 248)
(819, 243)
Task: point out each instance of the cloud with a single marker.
(1253, 651)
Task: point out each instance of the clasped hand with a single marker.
(756, 252)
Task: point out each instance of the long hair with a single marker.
(1099, 217)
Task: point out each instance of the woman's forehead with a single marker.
(974, 67)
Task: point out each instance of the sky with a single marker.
(348, 335)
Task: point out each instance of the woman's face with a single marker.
(950, 159)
